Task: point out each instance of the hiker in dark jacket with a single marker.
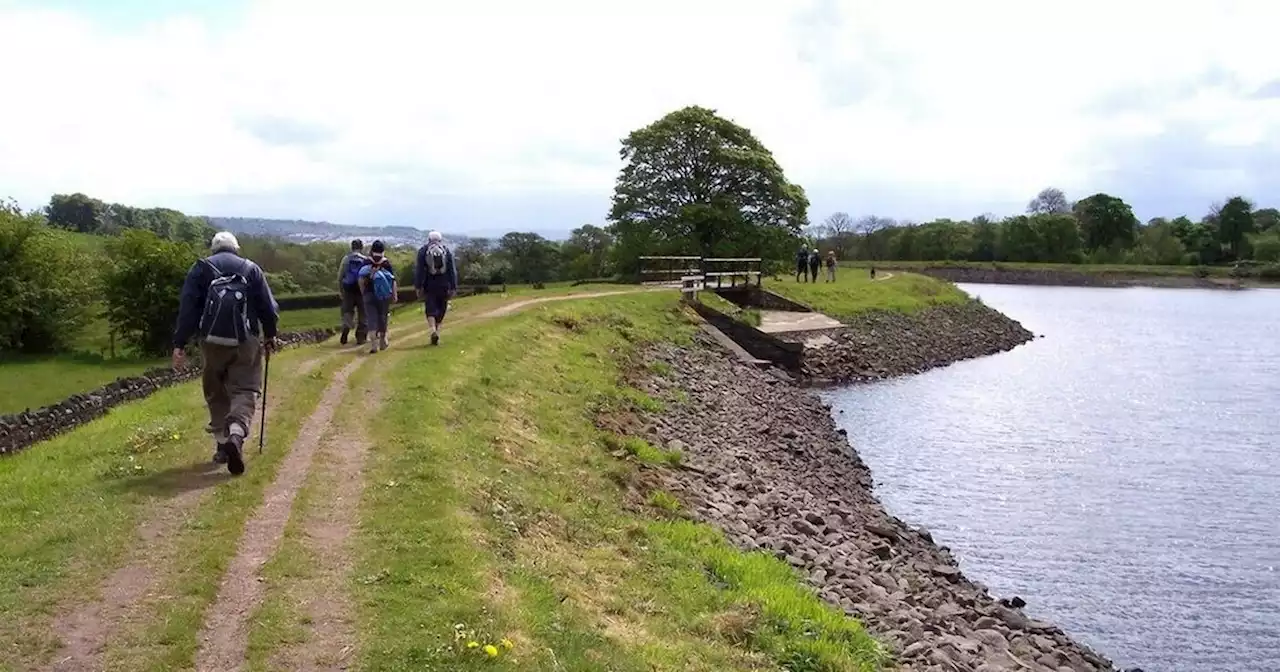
(379, 293)
(353, 314)
(802, 264)
(436, 279)
(815, 262)
(228, 305)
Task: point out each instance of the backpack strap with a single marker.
(217, 273)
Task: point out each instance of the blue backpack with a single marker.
(383, 284)
(354, 263)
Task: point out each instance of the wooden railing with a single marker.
(693, 274)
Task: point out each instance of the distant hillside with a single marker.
(300, 231)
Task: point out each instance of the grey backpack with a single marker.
(226, 309)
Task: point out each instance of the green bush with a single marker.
(143, 287)
(46, 284)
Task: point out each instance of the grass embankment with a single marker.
(750, 316)
(492, 512)
(853, 293)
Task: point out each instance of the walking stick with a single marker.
(262, 427)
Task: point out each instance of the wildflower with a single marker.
(177, 436)
(491, 650)
(508, 644)
(473, 645)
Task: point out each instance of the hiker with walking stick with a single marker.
(228, 305)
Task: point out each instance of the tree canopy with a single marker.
(695, 183)
(1105, 220)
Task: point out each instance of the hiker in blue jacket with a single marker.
(435, 277)
(227, 303)
(378, 283)
(353, 315)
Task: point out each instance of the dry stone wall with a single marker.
(21, 430)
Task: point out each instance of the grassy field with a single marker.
(1123, 269)
(853, 293)
(491, 525)
(33, 382)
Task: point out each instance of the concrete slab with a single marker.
(780, 322)
(729, 344)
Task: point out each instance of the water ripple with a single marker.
(1121, 474)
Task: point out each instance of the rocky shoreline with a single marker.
(883, 344)
(764, 462)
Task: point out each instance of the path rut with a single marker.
(223, 640)
(86, 628)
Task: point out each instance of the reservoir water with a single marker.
(1121, 473)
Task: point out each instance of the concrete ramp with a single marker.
(782, 322)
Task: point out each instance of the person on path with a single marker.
(873, 272)
(227, 303)
(831, 266)
(435, 277)
(378, 283)
(353, 315)
(815, 263)
(802, 264)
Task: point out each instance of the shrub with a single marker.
(46, 284)
(143, 286)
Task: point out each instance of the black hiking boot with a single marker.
(219, 455)
(435, 338)
(233, 449)
(343, 338)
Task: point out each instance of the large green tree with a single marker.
(1235, 222)
(76, 212)
(530, 257)
(1105, 221)
(586, 253)
(1266, 219)
(696, 183)
(143, 287)
(46, 283)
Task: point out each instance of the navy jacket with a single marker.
(447, 281)
(263, 310)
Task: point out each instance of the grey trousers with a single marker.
(232, 381)
(353, 312)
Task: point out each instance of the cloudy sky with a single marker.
(493, 115)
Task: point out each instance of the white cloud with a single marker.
(985, 101)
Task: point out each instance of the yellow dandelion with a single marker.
(491, 650)
(177, 436)
(508, 644)
(473, 645)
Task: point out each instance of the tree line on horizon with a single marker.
(79, 259)
(692, 183)
(1099, 229)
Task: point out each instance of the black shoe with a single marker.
(219, 455)
(435, 339)
(234, 450)
(343, 339)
